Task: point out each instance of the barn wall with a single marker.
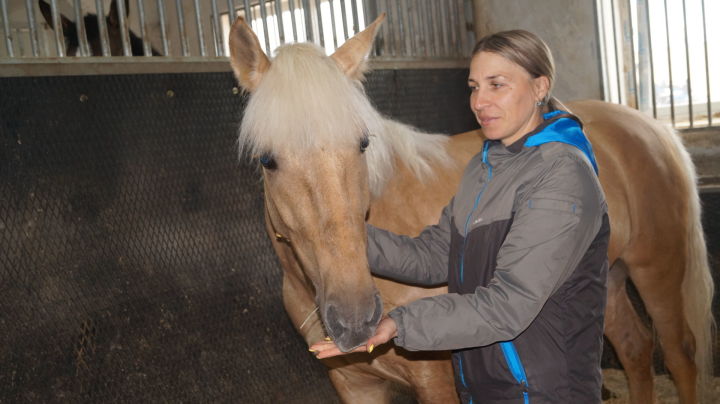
(134, 265)
(569, 28)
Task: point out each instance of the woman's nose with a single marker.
(478, 100)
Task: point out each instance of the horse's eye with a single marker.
(268, 161)
(364, 143)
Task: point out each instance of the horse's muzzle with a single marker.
(350, 326)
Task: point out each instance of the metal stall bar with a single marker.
(217, 35)
(291, 6)
(444, 29)
(30, 10)
(147, 51)
(318, 11)
(343, 12)
(308, 20)
(122, 17)
(454, 40)
(667, 38)
(248, 12)
(279, 19)
(645, 36)
(390, 39)
(6, 28)
(231, 11)
(617, 57)
(81, 35)
(417, 24)
(57, 28)
(163, 27)
(181, 27)
(263, 15)
(687, 61)
(400, 48)
(200, 31)
(356, 19)
(427, 31)
(707, 69)
(463, 28)
(407, 29)
(629, 54)
(102, 27)
(332, 24)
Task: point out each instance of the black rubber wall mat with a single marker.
(134, 264)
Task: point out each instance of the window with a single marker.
(658, 56)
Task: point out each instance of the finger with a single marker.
(335, 351)
(321, 346)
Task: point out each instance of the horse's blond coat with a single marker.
(311, 117)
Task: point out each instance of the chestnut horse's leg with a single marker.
(355, 385)
(631, 339)
(660, 291)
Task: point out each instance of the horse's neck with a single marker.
(408, 204)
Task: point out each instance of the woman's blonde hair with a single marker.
(528, 51)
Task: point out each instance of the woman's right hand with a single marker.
(386, 330)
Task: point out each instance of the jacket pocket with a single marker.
(555, 204)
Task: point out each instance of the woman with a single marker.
(522, 246)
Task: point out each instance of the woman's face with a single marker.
(504, 97)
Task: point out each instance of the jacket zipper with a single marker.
(508, 348)
(486, 146)
(516, 367)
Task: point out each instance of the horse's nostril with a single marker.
(377, 313)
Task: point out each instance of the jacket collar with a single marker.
(557, 126)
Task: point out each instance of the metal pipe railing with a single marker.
(102, 27)
(147, 49)
(200, 31)
(6, 29)
(707, 68)
(279, 19)
(181, 27)
(687, 61)
(57, 28)
(217, 35)
(291, 6)
(163, 27)
(30, 11)
(414, 28)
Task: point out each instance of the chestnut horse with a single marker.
(331, 162)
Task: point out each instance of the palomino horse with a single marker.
(92, 30)
(331, 162)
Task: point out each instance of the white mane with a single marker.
(305, 101)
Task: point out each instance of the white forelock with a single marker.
(305, 102)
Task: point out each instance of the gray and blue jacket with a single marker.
(523, 249)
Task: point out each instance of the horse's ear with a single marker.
(46, 11)
(114, 17)
(247, 59)
(351, 55)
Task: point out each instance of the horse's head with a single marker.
(92, 29)
(311, 126)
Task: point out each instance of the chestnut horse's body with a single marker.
(319, 193)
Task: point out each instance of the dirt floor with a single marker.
(616, 382)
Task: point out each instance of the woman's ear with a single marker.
(541, 86)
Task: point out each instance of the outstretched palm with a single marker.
(386, 330)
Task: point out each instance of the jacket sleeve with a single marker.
(552, 229)
(421, 260)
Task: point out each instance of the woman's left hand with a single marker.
(386, 330)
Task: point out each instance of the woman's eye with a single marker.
(268, 161)
(364, 143)
(496, 85)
